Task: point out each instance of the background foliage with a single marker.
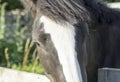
(12, 4)
(16, 51)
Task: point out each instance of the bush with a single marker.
(15, 51)
(12, 4)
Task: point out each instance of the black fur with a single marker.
(80, 38)
(100, 12)
(103, 44)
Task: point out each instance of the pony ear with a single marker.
(29, 5)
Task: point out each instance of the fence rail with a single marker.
(109, 75)
(9, 75)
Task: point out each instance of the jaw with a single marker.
(63, 38)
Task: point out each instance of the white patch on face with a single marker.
(63, 37)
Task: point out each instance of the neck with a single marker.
(63, 37)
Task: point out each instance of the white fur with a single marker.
(63, 37)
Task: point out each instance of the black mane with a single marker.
(101, 12)
(68, 10)
(82, 10)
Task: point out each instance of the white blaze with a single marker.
(63, 37)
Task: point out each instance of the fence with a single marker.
(108, 75)
(9, 75)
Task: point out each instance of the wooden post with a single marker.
(109, 75)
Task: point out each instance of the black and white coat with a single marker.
(69, 22)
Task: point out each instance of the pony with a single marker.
(84, 33)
